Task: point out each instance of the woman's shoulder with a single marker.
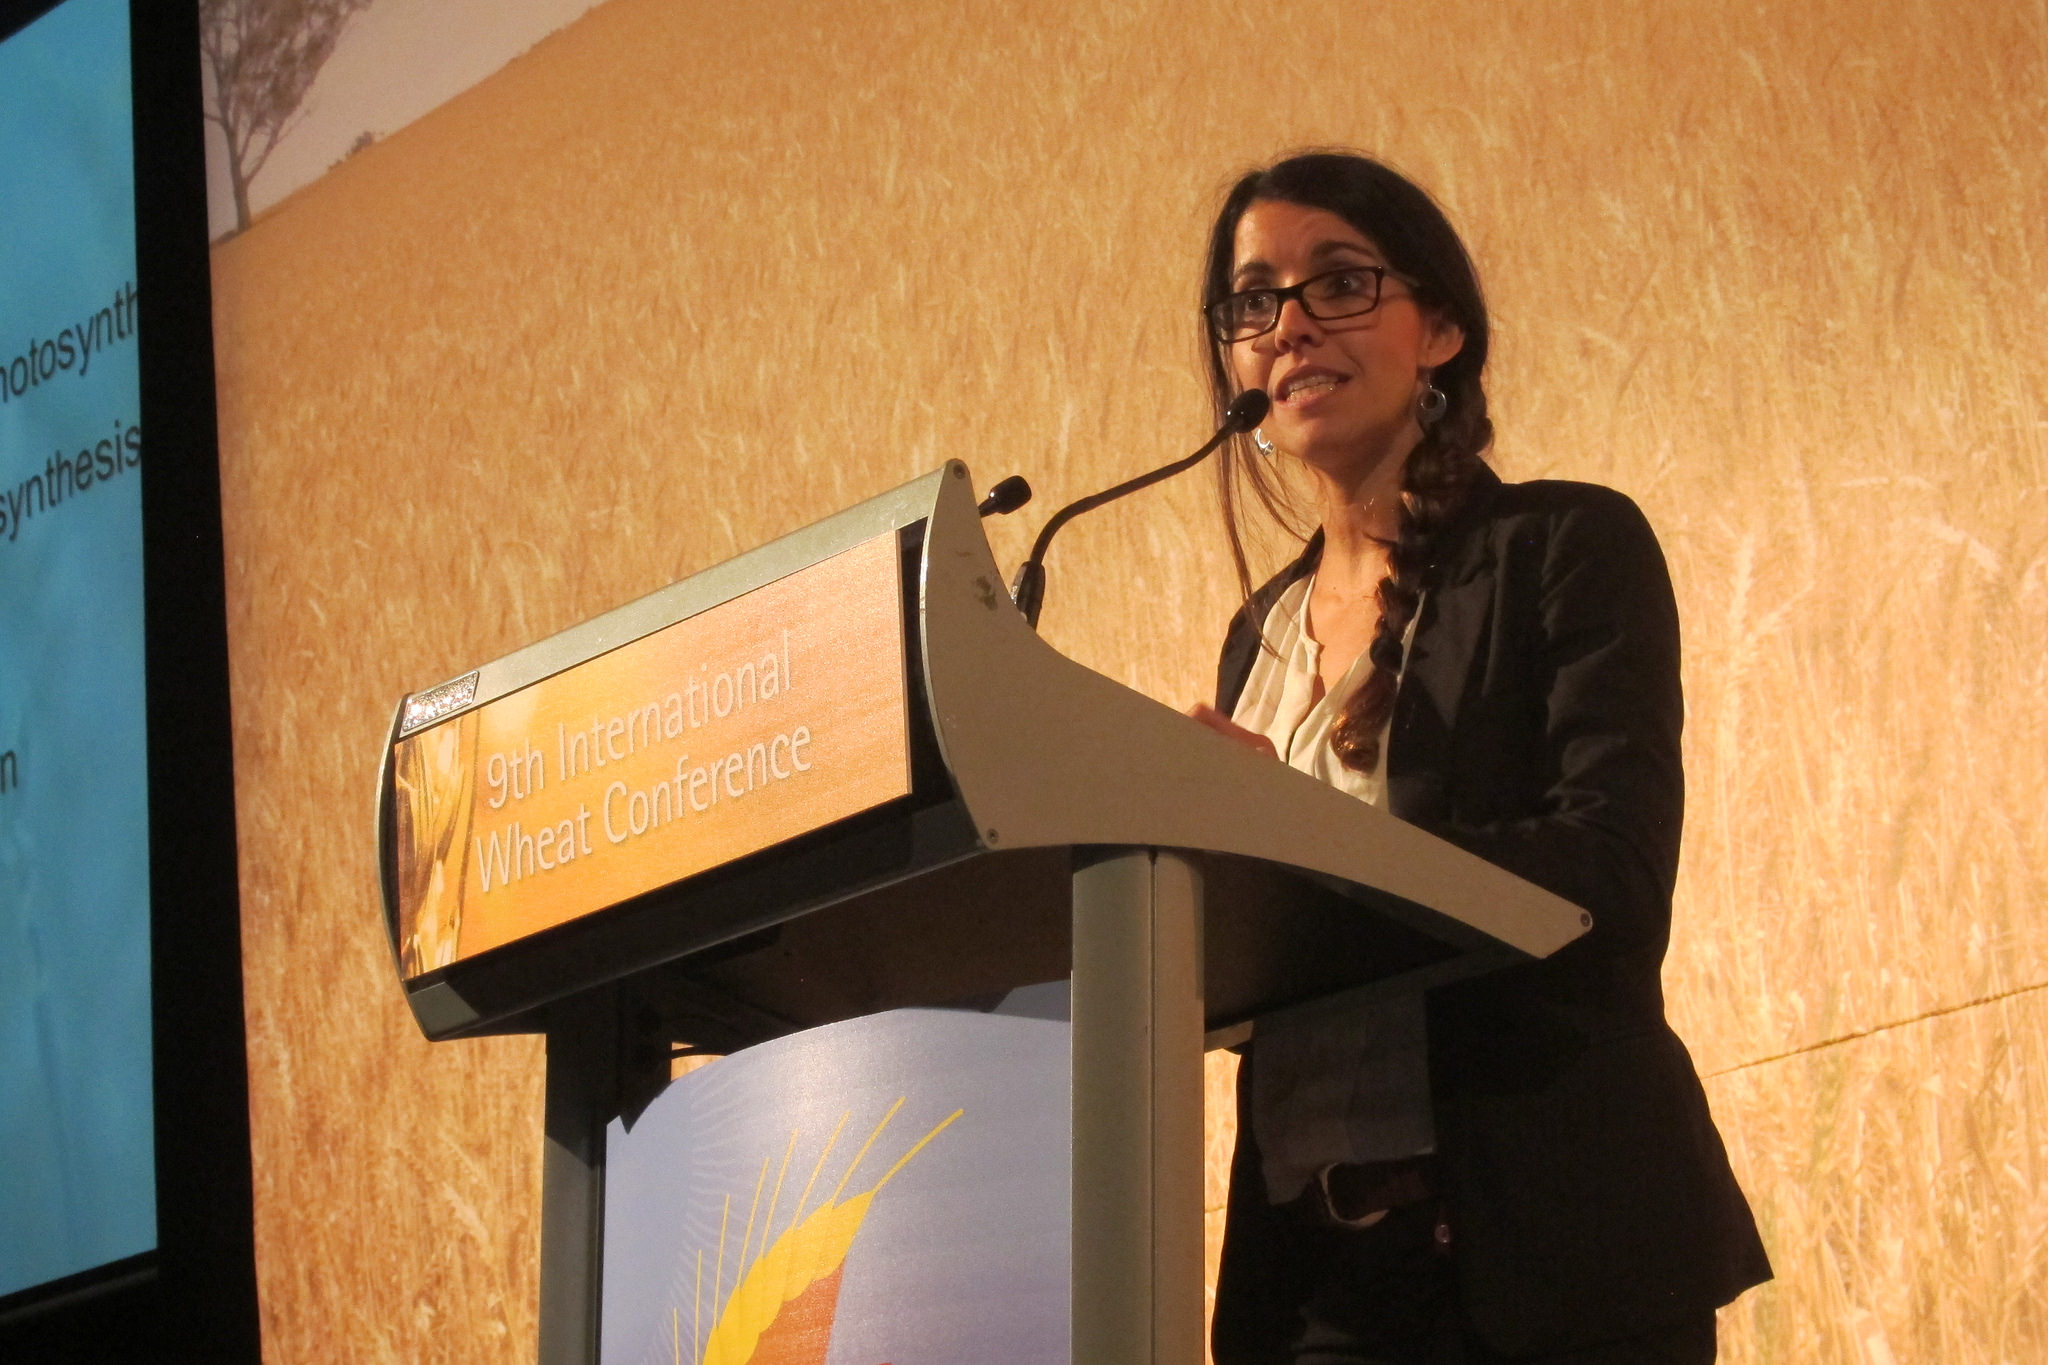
(1548, 516)
(1555, 499)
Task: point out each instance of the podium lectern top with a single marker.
(840, 773)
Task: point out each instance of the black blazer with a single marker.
(1537, 725)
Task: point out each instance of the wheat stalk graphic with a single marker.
(805, 1260)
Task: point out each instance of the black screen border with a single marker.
(194, 1297)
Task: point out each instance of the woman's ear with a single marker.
(1442, 341)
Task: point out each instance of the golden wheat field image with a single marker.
(683, 278)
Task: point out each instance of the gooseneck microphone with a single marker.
(1027, 589)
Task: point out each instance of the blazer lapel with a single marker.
(1241, 644)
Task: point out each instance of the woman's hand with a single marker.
(1231, 730)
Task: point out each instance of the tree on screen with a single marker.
(262, 56)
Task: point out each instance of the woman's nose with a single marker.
(1294, 327)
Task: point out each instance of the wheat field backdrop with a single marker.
(689, 275)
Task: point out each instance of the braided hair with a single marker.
(1418, 242)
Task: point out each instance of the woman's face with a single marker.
(1344, 390)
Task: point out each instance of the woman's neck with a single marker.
(1361, 518)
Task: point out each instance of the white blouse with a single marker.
(1346, 1080)
(1279, 699)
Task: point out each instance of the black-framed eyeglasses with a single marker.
(1345, 293)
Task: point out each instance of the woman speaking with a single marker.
(1522, 1165)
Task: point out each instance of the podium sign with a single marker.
(745, 725)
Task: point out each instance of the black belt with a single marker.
(1351, 1191)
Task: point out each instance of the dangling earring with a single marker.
(1266, 447)
(1432, 404)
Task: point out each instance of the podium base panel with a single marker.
(1128, 925)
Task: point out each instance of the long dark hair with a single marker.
(1417, 241)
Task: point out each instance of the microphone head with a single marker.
(1006, 497)
(1246, 411)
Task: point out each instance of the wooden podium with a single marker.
(839, 775)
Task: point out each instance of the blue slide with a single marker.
(77, 1161)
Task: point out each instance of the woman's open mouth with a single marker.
(1306, 385)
